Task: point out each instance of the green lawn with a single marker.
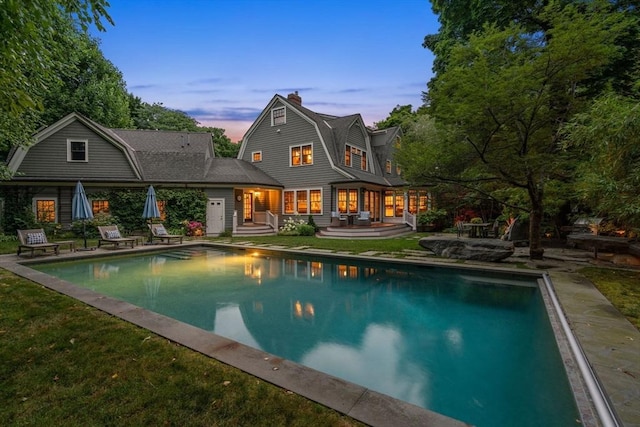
(66, 363)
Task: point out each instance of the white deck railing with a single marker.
(272, 220)
(410, 220)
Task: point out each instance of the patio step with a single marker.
(254, 230)
(365, 232)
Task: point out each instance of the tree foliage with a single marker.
(505, 92)
(609, 180)
(29, 51)
(401, 115)
(158, 117)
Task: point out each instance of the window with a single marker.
(99, 206)
(353, 200)
(342, 201)
(394, 203)
(398, 170)
(363, 161)
(278, 116)
(315, 198)
(347, 155)
(45, 209)
(77, 151)
(303, 201)
(256, 156)
(348, 200)
(301, 155)
(388, 166)
(288, 202)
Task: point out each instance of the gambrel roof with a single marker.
(333, 132)
(152, 156)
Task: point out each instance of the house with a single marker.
(327, 164)
(292, 161)
(77, 148)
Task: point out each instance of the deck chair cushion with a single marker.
(160, 230)
(113, 234)
(36, 238)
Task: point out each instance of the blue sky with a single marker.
(221, 61)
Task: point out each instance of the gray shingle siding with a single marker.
(48, 158)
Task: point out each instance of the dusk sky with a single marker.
(221, 61)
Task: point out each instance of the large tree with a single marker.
(31, 55)
(500, 102)
(29, 52)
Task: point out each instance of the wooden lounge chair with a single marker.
(109, 234)
(160, 233)
(35, 240)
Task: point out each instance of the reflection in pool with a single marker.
(471, 346)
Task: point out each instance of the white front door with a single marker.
(215, 216)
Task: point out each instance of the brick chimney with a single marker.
(295, 98)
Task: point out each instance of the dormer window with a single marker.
(388, 166)
(77, 150)
(347, 155)
(278, 116)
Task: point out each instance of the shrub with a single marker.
(312, 223)
(295, 227)
(306, 230)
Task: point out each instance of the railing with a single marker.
(272, 220)
(235, 222)
(409, 219)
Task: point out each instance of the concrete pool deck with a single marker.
(609, 341)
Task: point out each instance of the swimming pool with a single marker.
(470, 345)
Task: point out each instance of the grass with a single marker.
(66, 363)
(620, 287)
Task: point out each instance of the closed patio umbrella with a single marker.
(80, 209)
(151, 208)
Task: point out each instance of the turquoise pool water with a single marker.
(473, 346)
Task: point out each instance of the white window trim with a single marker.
(364, 156)
(284, 116)
(55, 212)
(86, 150)
(291, 165)
(388, 167)
(253, 153)
(295, 200)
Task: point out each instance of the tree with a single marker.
(88, 83)
(610, 178)
(158, 117)
(401, 115)
(500, 102)
(29, 53)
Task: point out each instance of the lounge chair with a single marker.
(109, 234)
(337, 220)
(364, 219)
(35, 240)
(159, 232)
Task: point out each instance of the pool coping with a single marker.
(353, 400)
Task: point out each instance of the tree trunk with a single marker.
(536, 251)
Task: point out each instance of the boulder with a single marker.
(472, 249)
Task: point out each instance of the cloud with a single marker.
(207, 81)
(224, 114)
(144, 87)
